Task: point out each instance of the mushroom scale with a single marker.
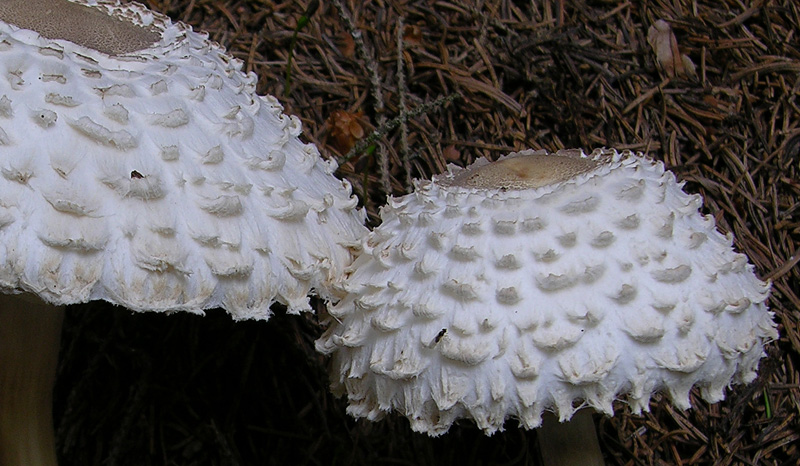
(157, 179)
(500, 292)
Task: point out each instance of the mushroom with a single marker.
(544, 283)
(138, 166)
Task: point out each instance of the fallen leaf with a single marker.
(451, 154)
(346, 44)
(412, 34)
(668, 56)
(345, 129)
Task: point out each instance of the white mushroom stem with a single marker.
(30, 332)
(571, 443)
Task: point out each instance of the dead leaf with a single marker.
(668, 56)
(346, 44)
(345, 129)
(412, 34)
(451, 154)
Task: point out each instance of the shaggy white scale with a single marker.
(156, 178)
(544, 283)
(138, 166)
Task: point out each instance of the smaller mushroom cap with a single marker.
(139, 166)
(544, 282)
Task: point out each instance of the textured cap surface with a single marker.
(496, 303)
(159, 180)
(91, 27)
(534, 170)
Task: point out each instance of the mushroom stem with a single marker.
(572, 443)
(30, 332)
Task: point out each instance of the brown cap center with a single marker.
(80, 24)
(523, 172)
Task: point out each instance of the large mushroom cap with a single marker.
(504, 290)
(139, 167)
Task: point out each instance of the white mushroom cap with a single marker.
(544, 282)
(156, 178)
